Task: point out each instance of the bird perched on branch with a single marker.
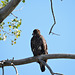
(39, 46)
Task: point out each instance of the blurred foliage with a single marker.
(13, 30)
(10, 28)
(5, 2)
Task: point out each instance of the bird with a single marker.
(39, 46)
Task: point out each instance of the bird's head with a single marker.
(36, 32)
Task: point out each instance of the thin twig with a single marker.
(19, 9)
(14, 15)
(55, 34)
(2, 64)
(13, 66)
(7, 32)
(53, 17)
(2, 68)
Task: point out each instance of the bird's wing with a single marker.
(44, 45)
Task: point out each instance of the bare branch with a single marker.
(13, 66)
(6, 32)
(5, 11)
(3, 68)
(53, 17)
(53, 20)
(35, 59)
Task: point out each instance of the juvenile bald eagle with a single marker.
(39, 46)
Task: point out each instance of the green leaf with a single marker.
(19, 31)
(8, 22)
(7, 0)
(18, 25)
(2, 2)
(15, 20)
(14, 42)
(2, 27)
(2, 23)
(20, 21)
(0, 38)
(11, 43)
(12, 32)
(14, 39)
(4, 33)
(17, 36)
(9, 26)
(14, 26)
(23, 1)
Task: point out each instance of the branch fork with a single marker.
(10, 63)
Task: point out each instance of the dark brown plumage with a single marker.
(39, 46)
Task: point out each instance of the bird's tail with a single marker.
(42, 67)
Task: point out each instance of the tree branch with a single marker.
(5, 11)
(15, 69)
(35, 59)
(44, 63)
(53, 17)
(3, 62)
(53, 20)
(3, 68)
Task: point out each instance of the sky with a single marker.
(36, 14)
